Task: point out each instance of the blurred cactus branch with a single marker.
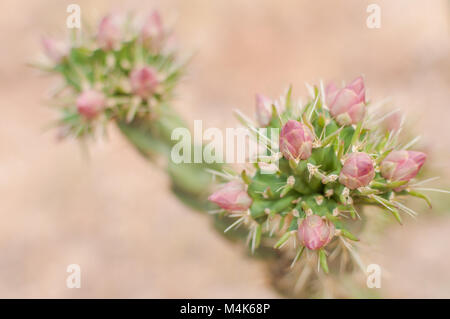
(190, 182)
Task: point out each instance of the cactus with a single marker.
(331, 161)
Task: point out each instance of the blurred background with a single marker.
(113, 214)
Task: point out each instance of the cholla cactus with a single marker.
(331, 161)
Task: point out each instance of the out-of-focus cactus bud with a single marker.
(152, 31)
(393, 122)
(315, 232)
(402, 165)
(347, 105)
(90, 103)
(296, 140)
(232, 196)
(263, 109)
(55, 50)
(358, 171)
(109, 32)
(144, 81)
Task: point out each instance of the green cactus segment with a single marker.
(312, 186)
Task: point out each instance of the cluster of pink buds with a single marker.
(130, 65)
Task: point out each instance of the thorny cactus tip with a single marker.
(331, 163)
(126, 68)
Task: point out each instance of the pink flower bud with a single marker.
(358, 171)
(296, 140)
(232, 196)
(402, 165)
(55, 50)
(152, 31)
(109, 32)
(393, 122)
(347, 105)
(315, 232)
(263, 110)
(144, 81)
(90, 103)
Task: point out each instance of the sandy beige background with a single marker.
(113, 214)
